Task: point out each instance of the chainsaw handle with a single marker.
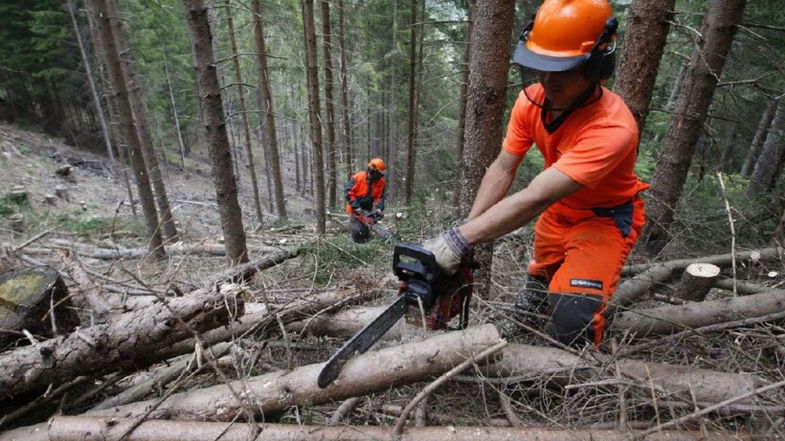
(425, 264)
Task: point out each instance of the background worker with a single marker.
(364, 194)
(587, 194)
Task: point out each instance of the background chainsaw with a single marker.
(370, 219)
(426, 296)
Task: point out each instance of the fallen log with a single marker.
(102, 429)
(674, 318)
(564, 368)
(721, 260)
(742, 288)
(344, 323)
(36, 432)
(633, 289)
(696, 281)
(123, 342)
(274, 392)
(176, 249)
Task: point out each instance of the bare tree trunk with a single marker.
(346, 108)
(412, 129)
(120, 92)
(457, 190)
(176, 117)
(763, 176)
(215, 127)
(238, 76)
(317, 166)
(490, 51)
(708, 59)
(91, 81)
(332, 186)
(644, 42)
(274, 159)
(142, 130)
(760, 136)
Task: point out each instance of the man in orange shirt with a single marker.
(364, 195)
(587, 194)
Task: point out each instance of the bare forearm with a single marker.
(503, 217)
(494, 186)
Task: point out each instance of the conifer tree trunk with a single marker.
(457, 200)
(758, 139)
(329, 103)
(346, 108)
(487, 91)
(644, 42)
(142, 129)
(125, 114)
(412, 129)
(267, 109)
(215, 127)
(180, 142)
(697, 90)
(238, 76)
(317, 164)
(764, 175)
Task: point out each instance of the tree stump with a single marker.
(696, 281)
(62, 192)
(17, 222)
(18, 195)
(26, 298)
(50, 199)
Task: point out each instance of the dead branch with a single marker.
(94, 429)
(721, 260)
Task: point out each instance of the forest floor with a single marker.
(98, 216)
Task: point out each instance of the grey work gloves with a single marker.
(448, 248)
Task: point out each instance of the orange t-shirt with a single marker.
(596, 146)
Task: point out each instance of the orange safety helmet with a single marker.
(565, 34)
(377, 164)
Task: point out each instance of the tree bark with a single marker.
(120, 92)
(215, 127)
(238, 76)
(267, 109)
(721, 260)
(142, 129)
(367, 373)
(123, 342)
(457, 199)
(329, 106)
(412, 120)
(708, 59)
(346, 108)
(763, 176)
(180, 142)
(317, 164)
(696, 281)
(344, 324)
(760, 136)
(631, 290)
(674, 318)
(65, 428)
(644, 41)
(490, 48)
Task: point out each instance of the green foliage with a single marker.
(10, 205)
(343, 253)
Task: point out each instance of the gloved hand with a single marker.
(377, 214)
(448, 248)
(357, 210)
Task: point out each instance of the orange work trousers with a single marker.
(580, 253)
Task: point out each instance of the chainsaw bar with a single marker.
(387, 235)
(362, 341)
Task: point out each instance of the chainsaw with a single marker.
(370, 219)
(426, 296)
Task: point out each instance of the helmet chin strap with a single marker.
(584, 99)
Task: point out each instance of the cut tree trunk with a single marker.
(565, 368)
(674, 318)
(696, 281)
(124, 342)
(367, 373)
(64, 428)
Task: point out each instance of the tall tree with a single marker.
(346, 105)
(215, 127)
(412, 120)
(267, 108)
(490, 55)
(764, 174)
(459, 164)
(697, 90)
(329, 107)
(757, 140)
(644, 41)
(238, 76)
(317, 164)
(127, 129)
(140, 124)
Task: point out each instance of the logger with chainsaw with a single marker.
(364, 194)
(587, 196)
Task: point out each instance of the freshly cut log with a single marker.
(697, 280)
(26, 297)
(721, 260)
(364, 374)
(674, 318)
(565, 368)
(125, 341)
(36, 432)
(344, 323)
(64, 428)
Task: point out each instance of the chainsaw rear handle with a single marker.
(423, 267)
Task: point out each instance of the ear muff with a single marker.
(602, 62)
